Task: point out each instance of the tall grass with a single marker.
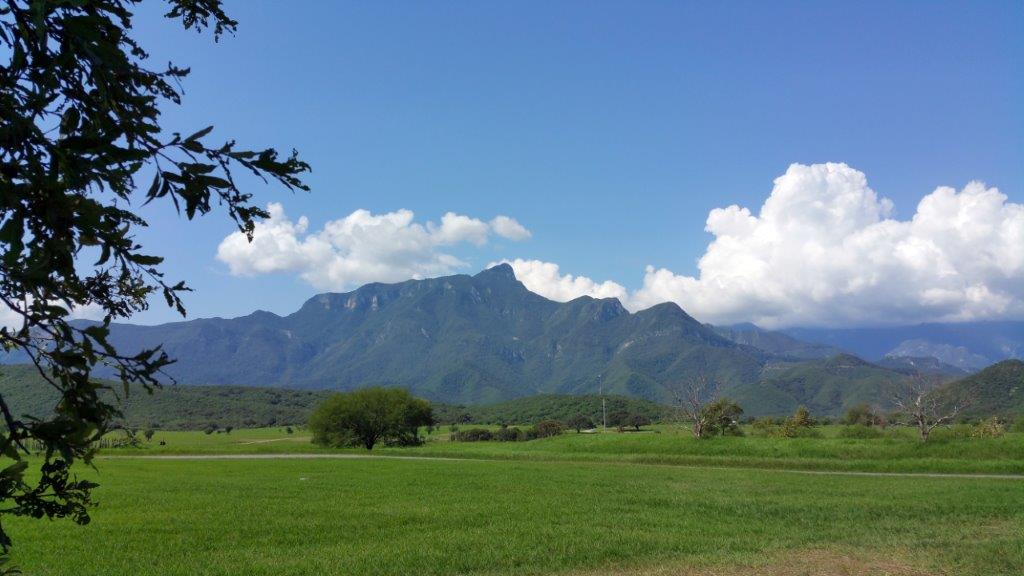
(434, 517)
(898, 450)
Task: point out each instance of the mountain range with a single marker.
(486, 338)
(966, 345)
(465, 339)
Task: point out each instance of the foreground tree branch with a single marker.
(80, 125)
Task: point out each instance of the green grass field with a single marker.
(900, 452)
(575, 504)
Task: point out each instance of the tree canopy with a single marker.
(721, 417)
(580, 422)
(368, 416)
(81, 129)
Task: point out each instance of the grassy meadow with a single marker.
(897, 451)
(656, 501)
(366, 516)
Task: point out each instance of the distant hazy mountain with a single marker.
(947, 354)
(922, 365)
(967, 345)
(775, 343)
(468, 339)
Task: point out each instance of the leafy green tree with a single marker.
(580, 422)
(802, 418)
(81, 127)
(861, 415)
(636, 420)
(764, 426)
(721, 417)
(546, 428)
(618, 418)
(801, 423)
(473, 435)
(993, 427)
(368, 416)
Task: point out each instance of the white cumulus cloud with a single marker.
(545, 279)
(359, 248)
(825, 249)
(14, 320)
(456, 228)
(509, 228)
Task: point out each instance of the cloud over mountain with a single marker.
(359, 248)
(14, 319)
(544, 278)
(824, 249)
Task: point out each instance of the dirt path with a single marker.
(289, 439)
(453, 459)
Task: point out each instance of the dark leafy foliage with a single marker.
(862, 415)
(547, 428)
(637, 420)
(860, 431)
(721, 418)
(619, 418)
(559, 407)
(370, 415)
(81, 113)
(801, 424)
(503, 434)
(580, 422)
(511, 434)
(175, 407)
(473, 435)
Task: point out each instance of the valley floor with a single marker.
(533, 508)
(897, 452)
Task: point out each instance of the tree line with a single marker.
(392, 416)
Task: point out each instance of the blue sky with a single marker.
(609, 130)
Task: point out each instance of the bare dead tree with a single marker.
(925, 409)
(690, 397)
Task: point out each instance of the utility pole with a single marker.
(604, 410)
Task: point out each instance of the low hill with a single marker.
(549, 407)
(998, 389)
(173, 407)
(826, 387)
(774, 343)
